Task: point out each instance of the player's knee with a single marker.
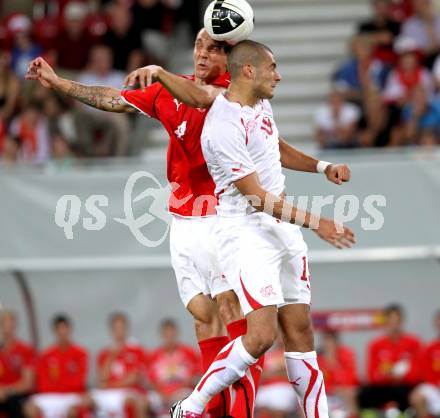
(416, 398)
(31, 410)
(260, 340)
(229, 307)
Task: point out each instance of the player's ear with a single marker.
(248, 71)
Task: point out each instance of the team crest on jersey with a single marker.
(267, 291)
(181, 130)
(266, 125)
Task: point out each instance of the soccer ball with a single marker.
(229, 20)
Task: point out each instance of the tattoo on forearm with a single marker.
(96, 96)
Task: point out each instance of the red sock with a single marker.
(247, 386)
(220, 404)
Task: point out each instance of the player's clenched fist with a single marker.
(41, 71)
(335, 234)
(338, 173)
(143, 76)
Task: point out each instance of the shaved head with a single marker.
(246, 53)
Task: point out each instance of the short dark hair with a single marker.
(61, 319)
(245, 52)
(168, 322)
(394, 308)
(116, 316)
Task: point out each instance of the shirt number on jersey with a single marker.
(180, 131)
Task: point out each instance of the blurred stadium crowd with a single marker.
(402, 374)
(88, 41)
(387, 91)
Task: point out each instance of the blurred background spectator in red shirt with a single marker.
(393, 364)
(425, 399)
(338, 363)
(120, 371)
(61, 374)
(17, 363)
(172, 368)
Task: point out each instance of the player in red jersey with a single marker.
(172, 368)
(338, 363)
(392, 364)
(119, 369)
(17, 361)
(425, 399)
(61, 375)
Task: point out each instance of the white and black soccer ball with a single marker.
(229, 20)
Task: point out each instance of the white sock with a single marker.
(229, 366)
(307, 380)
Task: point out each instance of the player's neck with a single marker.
(240, 95)
(8, 341)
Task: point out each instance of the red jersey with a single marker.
(341, 373)
(14, 360)
(431, 366)
(186, 166)
(172, 371)
(384, 354)
(128, 360)
(62, 370)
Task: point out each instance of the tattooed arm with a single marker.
(103, 98)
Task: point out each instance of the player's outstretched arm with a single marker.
(335, 234)
(103, 98)
(184, 90)
(293, 159)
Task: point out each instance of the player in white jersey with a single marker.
(264, 258)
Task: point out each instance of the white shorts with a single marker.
(194, 257)
(432, 396)
(264, 259)
(111, 402)
(55, 405)
(277, 397)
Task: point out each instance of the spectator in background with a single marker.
(275, 397)
(173, 368)
(436, 74)
(363, 77)
(400, 10)
(120, 371)
(24, 49)
(91, 134)
(425, 399)
(9, 88)
(31, 129)
(421, 119)
(336, 122)
(123, 39)
(393, 364)
(74, 41)
(424, 28)
(99, 73)
(17, 364)
(62, 153)
(61, 375)
(403, 79)
(11, 151)
(338, 363)
(382, 31)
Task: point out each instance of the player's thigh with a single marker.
(251, 263)
(55, 405)
(190, 280)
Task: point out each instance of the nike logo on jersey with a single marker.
(237, 170)
(181, 130)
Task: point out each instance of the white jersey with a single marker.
(238, 141)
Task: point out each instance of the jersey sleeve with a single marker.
(228, 141)
(144, 100)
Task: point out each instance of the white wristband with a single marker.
(321, 166)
